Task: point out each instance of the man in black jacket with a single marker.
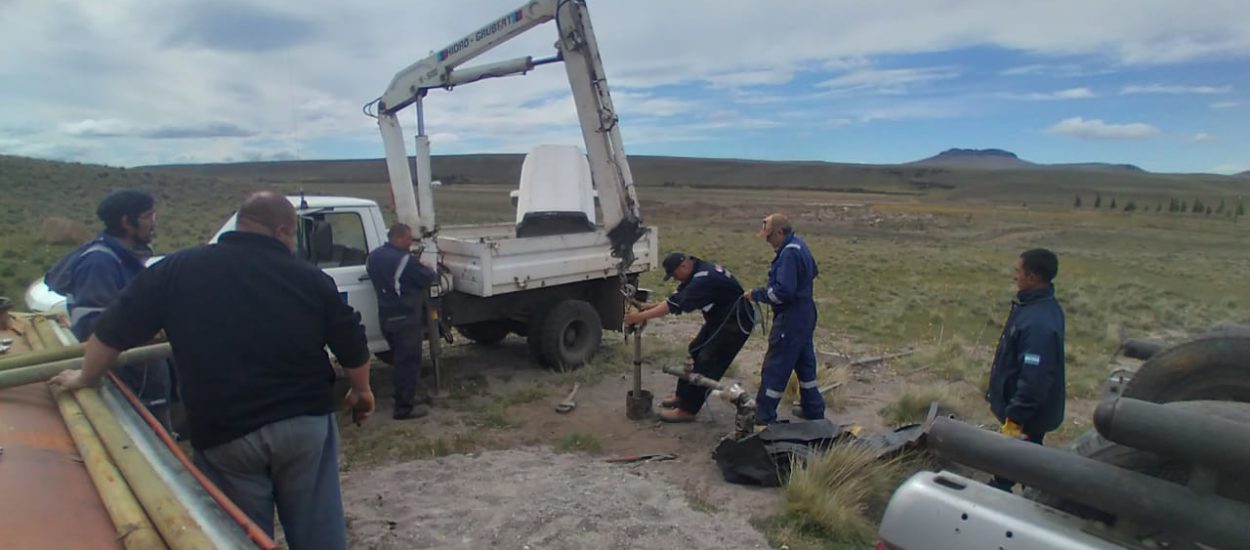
(249, 324)
(1026, 391)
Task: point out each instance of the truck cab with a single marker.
(336, 234)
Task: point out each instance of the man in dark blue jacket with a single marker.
(727, 323)
(400, 282)
(790, 346)
(1026, 391)
(93, 275)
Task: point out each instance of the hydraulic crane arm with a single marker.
(579, 51)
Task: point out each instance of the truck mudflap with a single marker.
(945, 511)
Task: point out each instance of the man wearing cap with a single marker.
(727, 323)
(790, 346)
(93, 275)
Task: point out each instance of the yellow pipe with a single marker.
(42, 356)
(39, 373)
(133, 527)
(168, 514)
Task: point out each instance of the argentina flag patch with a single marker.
(1032, 359)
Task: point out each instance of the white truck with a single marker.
(561, 273)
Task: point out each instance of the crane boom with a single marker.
(579, 51)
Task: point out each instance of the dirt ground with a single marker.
(459, 479)
(530, 498)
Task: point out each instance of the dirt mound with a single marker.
(64, 231)
(528, 498)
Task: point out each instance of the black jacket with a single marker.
(1027, 380)
(249, 324)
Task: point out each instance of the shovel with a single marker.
(568, 404)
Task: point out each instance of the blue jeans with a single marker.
(292, 463)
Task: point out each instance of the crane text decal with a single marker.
(483, 33)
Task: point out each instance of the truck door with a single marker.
(337, 244)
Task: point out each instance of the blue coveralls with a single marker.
(1027, 379)
(91, 277)
(400, 282)
(727, 324)
(790, 346)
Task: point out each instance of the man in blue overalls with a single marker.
(93, 275)
(1026, 391)
(727, 323)
(400, 282)
(790, 346)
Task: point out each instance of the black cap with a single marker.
(123, 202)
(671, 262)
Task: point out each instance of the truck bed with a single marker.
(489, 260)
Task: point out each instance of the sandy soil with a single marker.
(530, 499)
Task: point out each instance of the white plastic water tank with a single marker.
(555, 184)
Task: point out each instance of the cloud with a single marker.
(291, 71)
(237, 28)
(886, 80)
(114, 128)
(1224, 104)
(756, 77)
(1058, 71)
(1202, 137)
(1070, 93)
(1098, 129)
(1171, 89)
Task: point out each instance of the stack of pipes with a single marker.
(155, 497)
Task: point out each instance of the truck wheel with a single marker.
(571, 333)
(1091, 444)
(1212, 367)
(487, 333)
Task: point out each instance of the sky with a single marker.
(1164, 85)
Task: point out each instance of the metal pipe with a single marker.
(638, 361)
(168, 514)
(42, 356)
(1175, 431)
(202, 510)
(40, 373)
(133, 527)
(1205, 518)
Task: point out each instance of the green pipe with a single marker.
(42, 356)
(39, 373)
(170, 516)
(134, 528)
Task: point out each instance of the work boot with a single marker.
(423, 399)
(677, 416)
(798, 413)
(408, 413)
(670, 402)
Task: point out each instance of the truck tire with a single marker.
(570, 334)
(1215, 367)
(1093, 445)
(487, 333)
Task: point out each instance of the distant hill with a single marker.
(998, 159)
(1245, 174)
(982, 159)
(986, 175)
